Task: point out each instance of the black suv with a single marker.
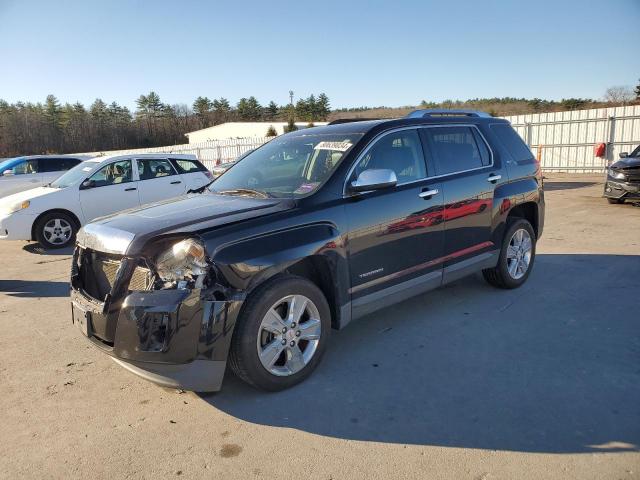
(623, 178)
(307, 233)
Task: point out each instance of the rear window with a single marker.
(188, 166)
(57, 164)
(510, 139)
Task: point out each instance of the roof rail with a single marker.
(432, 112)
(350, 120)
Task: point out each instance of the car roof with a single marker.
(45, 157)
(175, 156)
(363, 127)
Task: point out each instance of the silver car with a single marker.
(24, 173)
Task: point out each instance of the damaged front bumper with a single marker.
(175, 338)
(621, 189)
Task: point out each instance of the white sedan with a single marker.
(101, 186)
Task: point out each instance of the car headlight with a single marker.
(185, 261)
(616, 175)
(14, 207)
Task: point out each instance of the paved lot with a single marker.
(468, 382)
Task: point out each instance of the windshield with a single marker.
(287, 166)
(636, 152)
(74, 175)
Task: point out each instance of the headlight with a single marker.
(14, 207)
(616, 175)
(184, 261)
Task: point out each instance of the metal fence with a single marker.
(565, 141)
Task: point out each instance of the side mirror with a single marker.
(374, 179)
(7, 173)
(624, 154)
(87, 184)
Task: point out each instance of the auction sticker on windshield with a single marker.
(337, 146)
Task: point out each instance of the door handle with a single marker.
(493, 178)
(428, 193)
(176, 182)
(129, 189)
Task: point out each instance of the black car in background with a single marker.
(623, 178)
(310, 231)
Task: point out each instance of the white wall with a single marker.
(241, 130)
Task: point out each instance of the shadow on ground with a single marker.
(34, 288)
(550, 185)
(551, 367)
(39, 250)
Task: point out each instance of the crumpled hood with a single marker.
(629, 162)
(128, 231)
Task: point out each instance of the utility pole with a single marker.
(291, 97)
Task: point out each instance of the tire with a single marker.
(615, 201)
(56, 230)
(251, 341)
(500, 276)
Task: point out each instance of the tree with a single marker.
(619, 94)
(573, 103)
(202, 107)
(637, 91)
(324, 107)
(221, 110)
(291, 123)
(271, 111)
(271, 132)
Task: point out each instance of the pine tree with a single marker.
(324, 107)
(271, 132)
(637, 91)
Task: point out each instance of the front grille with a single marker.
(98, 273)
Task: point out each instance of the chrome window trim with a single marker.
(375, 139)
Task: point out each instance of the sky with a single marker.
(371, 53)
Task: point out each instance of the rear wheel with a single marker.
(281, 334)
(56, 230)
(516, 256)
(615, 200)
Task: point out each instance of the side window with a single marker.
(398, 151)
(57, 164)
(113, 174)
(512, 142)
(26, 166)
(454, 149)
(189, 166)
(149, 168)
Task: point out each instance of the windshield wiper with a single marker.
(244, 191)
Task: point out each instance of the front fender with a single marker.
(249, 262)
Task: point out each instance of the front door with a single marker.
(158, 180)
(396, 234)
(465, 165)
(111, 189)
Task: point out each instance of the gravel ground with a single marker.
(467, 382)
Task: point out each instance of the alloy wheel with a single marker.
(519, 253)
(288, 335)
(57, 231)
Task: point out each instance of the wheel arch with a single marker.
(73, 216)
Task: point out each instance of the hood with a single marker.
(129, 231)
(628, 162)
(27, 195)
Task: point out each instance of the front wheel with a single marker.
(281, 334)
(55, 230)
(516, 256)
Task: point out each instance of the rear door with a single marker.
(159, 180)
(464, 163)
(112, 188)
(193, 173)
